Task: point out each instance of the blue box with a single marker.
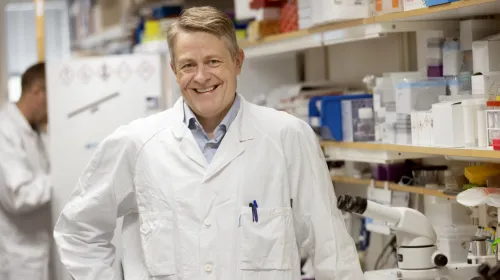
(430, 3)
(328, 109)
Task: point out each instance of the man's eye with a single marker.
(187, 65)
(214, 62)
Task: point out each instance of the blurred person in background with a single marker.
(25, 187)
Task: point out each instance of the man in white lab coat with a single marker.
(214, 188)
(25, 186)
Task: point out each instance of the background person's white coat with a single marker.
(185, 219)
(25, 190)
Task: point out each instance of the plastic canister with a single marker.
(470, 108)
(453, 241)
(452, 57)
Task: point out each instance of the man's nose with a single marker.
(202, 75)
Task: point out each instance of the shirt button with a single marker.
(208, 267)
(207, 222)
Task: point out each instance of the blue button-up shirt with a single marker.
(209, 146)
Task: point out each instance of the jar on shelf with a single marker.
(492, 120)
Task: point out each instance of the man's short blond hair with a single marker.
(204, 19)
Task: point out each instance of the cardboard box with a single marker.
(475, 30)
(259, 29)
(487, 86)
(388, 6)
(448, 124)
(257, 4)
(409, 5)
(486, 56)
(272, 13)
(289, 19)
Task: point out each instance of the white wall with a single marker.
(261, 75)
(349, 63)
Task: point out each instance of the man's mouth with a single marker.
(205, 90)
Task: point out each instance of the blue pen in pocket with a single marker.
(255, 212)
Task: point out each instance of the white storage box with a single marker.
(305, 11)
(486, 56)
(388, 6)
(487, 86)
(448, 124)
(418, 95)
(338, 10)
(476, 29)
(409, 5)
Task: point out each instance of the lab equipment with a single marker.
(89, 98)
(418, 257)
(452, 57)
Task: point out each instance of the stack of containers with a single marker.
(415, 95)
(267, 21)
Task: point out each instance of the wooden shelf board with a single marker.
(392, 186)
(453, 152)
(456, 10)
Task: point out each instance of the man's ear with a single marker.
(240, 58)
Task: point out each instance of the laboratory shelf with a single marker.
(380, 150)
(294, 41)
(391, 186)
(113, 33)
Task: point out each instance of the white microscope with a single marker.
(418, 256)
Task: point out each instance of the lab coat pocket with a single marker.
(157, 236)
(266, 244)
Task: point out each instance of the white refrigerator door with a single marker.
(88, 99)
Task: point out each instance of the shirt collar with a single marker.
(191, 120)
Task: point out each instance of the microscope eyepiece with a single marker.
(352, 204)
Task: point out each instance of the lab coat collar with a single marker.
(241, 131)
(20, 119)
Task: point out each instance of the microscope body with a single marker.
(418, 256)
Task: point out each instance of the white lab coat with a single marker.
(186, 219)
(25, 190)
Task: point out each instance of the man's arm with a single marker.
(22, 189)
(86, 225)
(319, 224)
